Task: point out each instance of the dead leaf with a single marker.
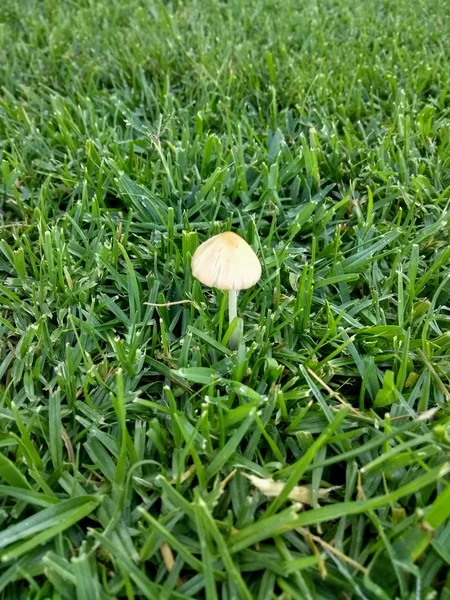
(300, 493)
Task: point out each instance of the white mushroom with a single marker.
(226, 262)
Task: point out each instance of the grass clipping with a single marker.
(299, 493)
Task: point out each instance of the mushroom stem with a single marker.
(232, 313)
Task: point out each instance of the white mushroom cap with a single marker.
(226, 262)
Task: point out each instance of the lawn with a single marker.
(141, 456)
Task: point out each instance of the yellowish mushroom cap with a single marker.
(226, 262)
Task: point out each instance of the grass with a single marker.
(132, 439)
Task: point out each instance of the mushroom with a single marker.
(226, 262)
